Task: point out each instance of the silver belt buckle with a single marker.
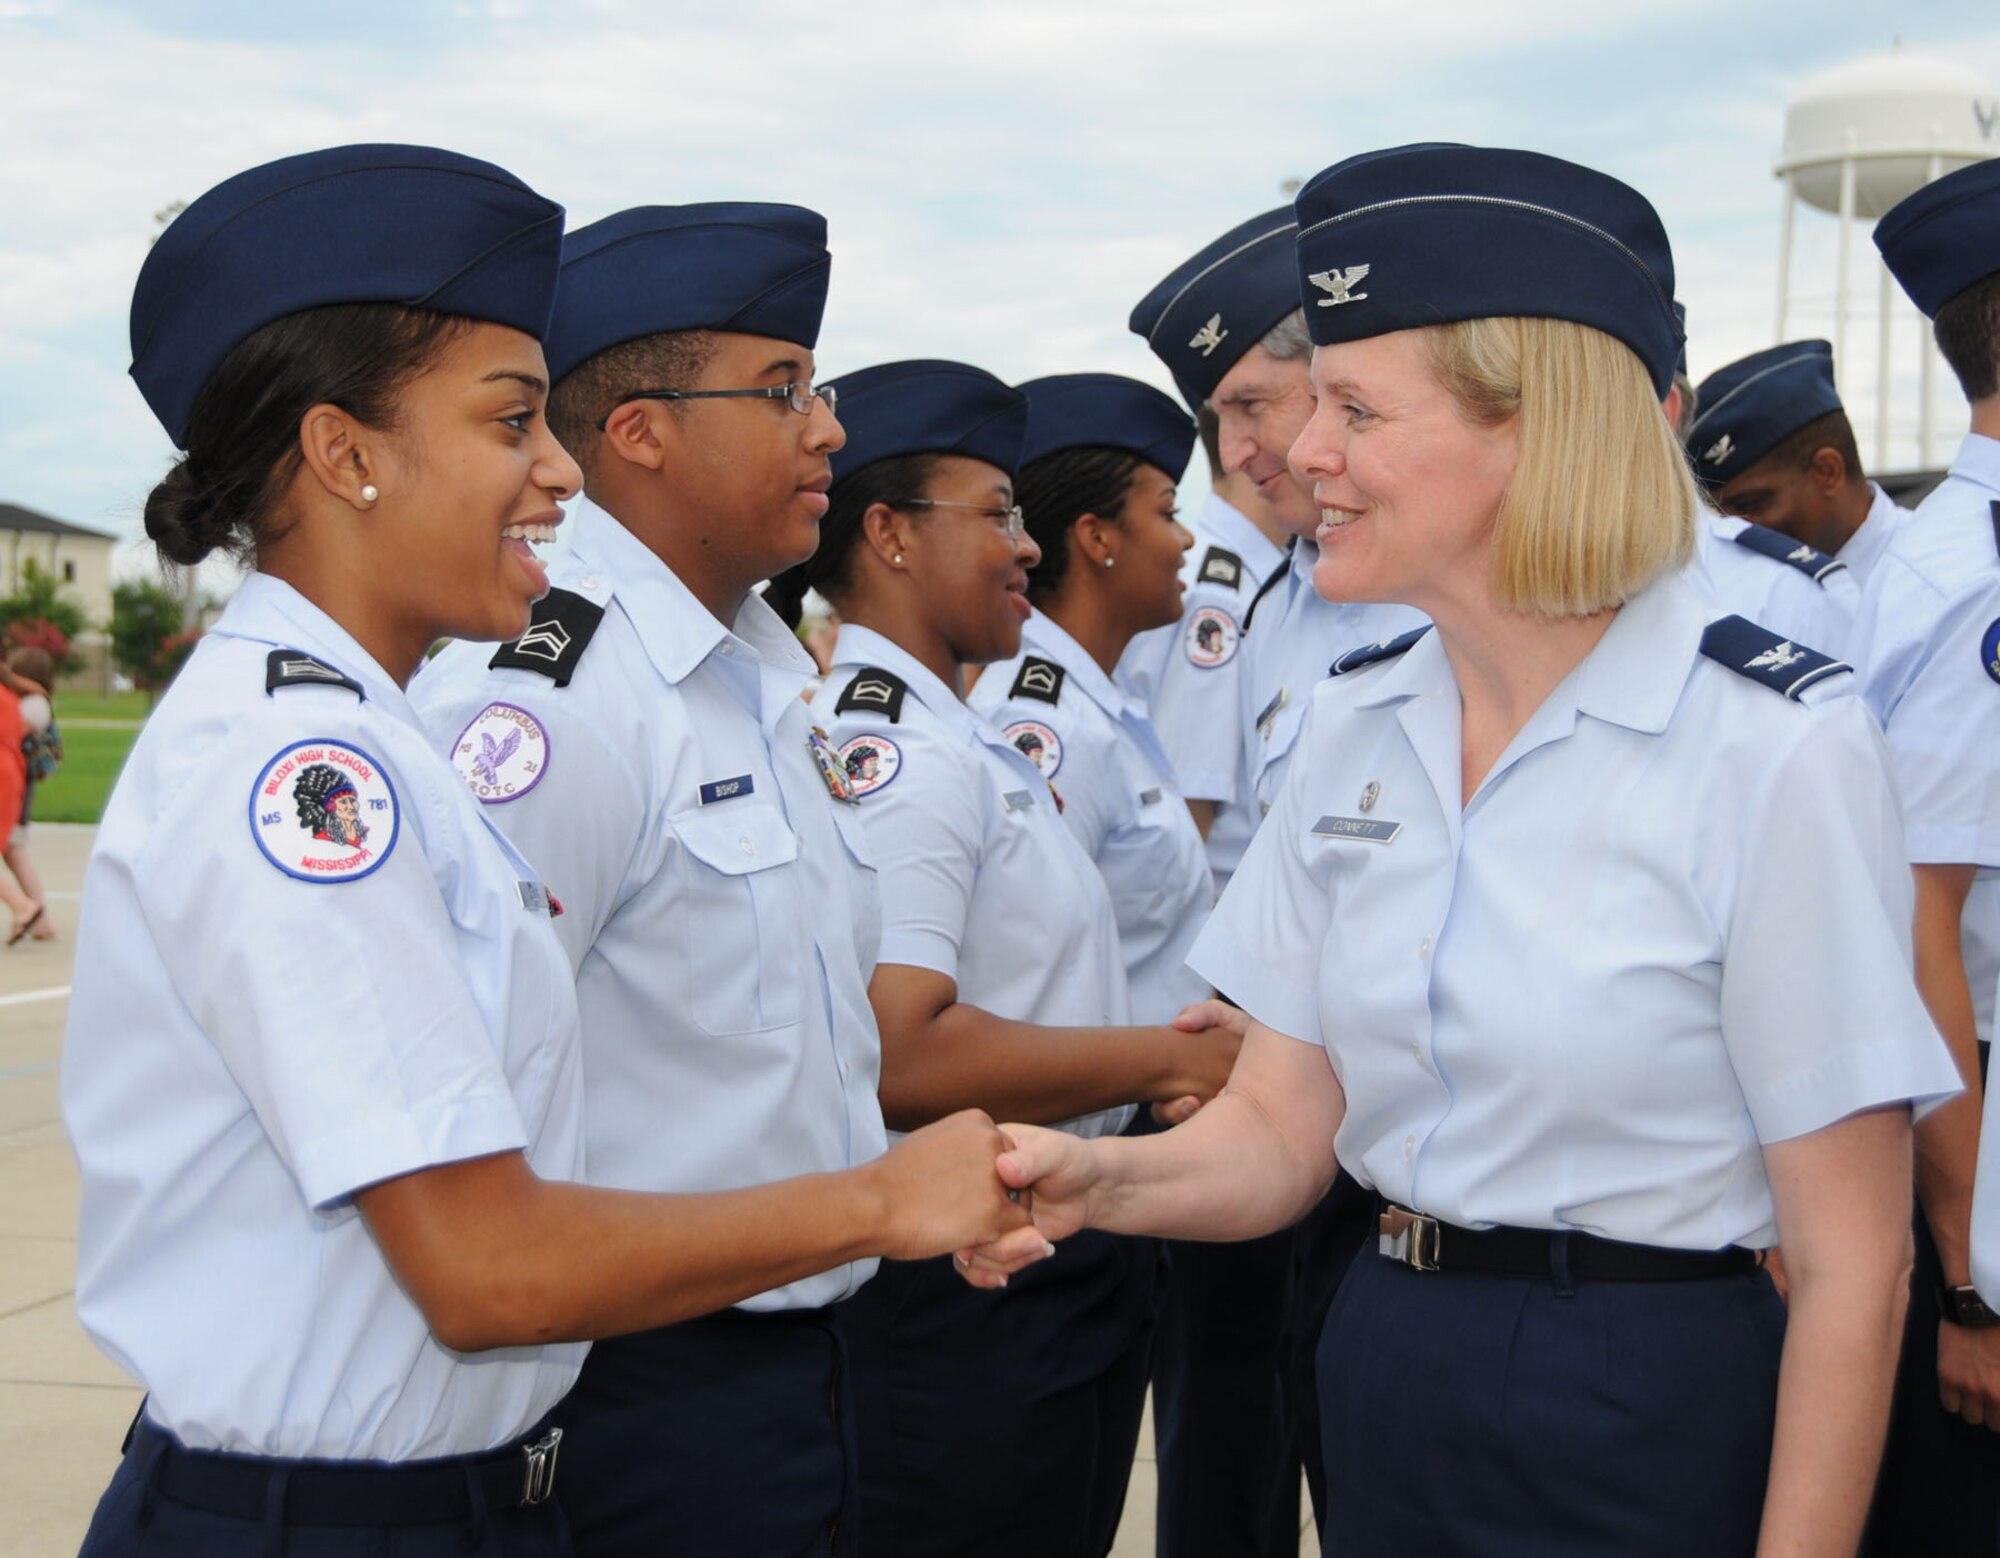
(1409, 1237)
(541, 1457)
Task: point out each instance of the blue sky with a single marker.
(1002, 182)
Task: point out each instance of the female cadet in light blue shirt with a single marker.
(322, 1073)
(1593, 920)
(1096, 486)
(1004, 1423)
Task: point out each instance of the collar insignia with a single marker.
(1777, 657)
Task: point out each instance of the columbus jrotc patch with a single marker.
(502, 754)
(1211, 637)
(324, 811)
(1039, 744)
(870, 762)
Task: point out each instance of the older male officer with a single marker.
(646, 743)
(1771, 444)
(1928, 647)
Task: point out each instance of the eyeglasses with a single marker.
(797, 393)
(1011, 517)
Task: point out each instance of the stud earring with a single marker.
(1109, 561)
(897, 559)
(369, 494)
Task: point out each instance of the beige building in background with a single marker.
(79, 560)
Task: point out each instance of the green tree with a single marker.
(35, 608)
(145, 622)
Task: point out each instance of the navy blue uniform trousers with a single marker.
(1002, 1423)
(135, 1520)
(716, 1438)
(1481, 1415)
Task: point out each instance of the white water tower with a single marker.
(1858, 138)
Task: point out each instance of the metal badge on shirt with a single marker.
(1366, 829)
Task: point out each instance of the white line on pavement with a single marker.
(53, 993)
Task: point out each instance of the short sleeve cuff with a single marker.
(331, 1169)
(1951, 844)
(1207, 785)
(919, 949)
(1275, 1001)
(1918, 1071)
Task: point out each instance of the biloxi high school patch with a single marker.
(1211, 637)
(324, 811)
(502, 754)
(870, 763)
(1039, 744)
(1989, 651)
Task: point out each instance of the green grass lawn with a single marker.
(92, 755)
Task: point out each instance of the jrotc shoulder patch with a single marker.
(1038, 743)
(1989, 650)
(1038, 678)
(1221, 566)
(296, 668)
(557, 636)
(1778, 546)
(1761, 655)
(874, 691)
(324, 811)
(1375, 654)
(1210, 637)
(502, 754)
(869, 763)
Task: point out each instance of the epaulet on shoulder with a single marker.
(296, 668)
(1038, 678)
(1373, 654)
(873, 691)
(1761, 655)
(1220, 566)
(1778, 546)
(558, 633)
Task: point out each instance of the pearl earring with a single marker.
(897, 559)
(1109, 561)
(369, 494)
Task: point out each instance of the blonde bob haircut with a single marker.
(1602, 502)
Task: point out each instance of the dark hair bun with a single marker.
(786, 595)
(181, 518)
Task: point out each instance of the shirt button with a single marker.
(748, 847)
(589, 581)
(1409, 1146)
(1424, 948)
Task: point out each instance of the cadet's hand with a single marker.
(1968, 1370)
(1205, 1038)
(943, 1191)
(1055, 1173)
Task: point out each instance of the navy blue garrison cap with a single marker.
(353, 224)
(1945, 237)
(1428, 235)
(746, 267)
(1213, 307)
(928, 407)
(1106, 411)
(1750, 407)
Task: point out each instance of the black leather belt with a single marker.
(352, 1493)
(1429, 1245)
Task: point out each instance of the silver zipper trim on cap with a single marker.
(1220, 260)
(1518, 205)
(1796, 358)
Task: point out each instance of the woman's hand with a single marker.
(942, 1191)
(1054, 1174)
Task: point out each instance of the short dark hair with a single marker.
(1833, 431)
(1209, 425)
(1968, 337)
(598, 385)
(243, 431)
(894, 481)
(1056, 491)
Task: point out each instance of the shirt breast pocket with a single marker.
(742, 925)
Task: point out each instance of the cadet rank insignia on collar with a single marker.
(1778, 546)
(1038, 678)
(1220, 566)
(557, 636)
(1375, 654)
(874, 691)
(1761, 655)
(296, 668)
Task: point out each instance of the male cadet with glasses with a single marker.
(1928, 650)
(646, 743)
(1749, 570)
(1771, 444)
(1227, 323)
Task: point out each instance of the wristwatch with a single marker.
(1964, 1306)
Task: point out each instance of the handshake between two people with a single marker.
(997, 1197)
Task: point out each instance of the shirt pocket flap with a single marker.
(737, 837)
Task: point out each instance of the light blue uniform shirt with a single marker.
(269, 1017)
(981, 882)
(1296, 634)
(1189, 675)
(720, 910)
(1099, 751)
(1745, 583)
(1672, 924)
(1868, 545)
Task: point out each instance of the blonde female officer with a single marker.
(1579, 933)
(321, 1072)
